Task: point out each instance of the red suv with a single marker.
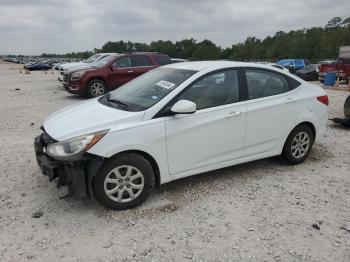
(111, 72)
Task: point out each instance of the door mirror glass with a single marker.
(183, 107)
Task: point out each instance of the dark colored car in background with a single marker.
(346, 120)
(308, 73)
(37, 66)
(111, 72)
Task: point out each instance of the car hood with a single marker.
(79, 68)
(75, 64)
(87, 117)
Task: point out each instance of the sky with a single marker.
(32, 27)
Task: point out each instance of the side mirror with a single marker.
(183, 107)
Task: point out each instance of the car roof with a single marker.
(106, 54)
(202, 65)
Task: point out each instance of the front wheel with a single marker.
(124, 182)
(298, 145)
(96, 88)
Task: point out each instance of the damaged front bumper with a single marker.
(76, 175)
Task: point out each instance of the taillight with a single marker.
(323, 99)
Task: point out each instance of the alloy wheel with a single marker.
(300, 145)
(97, 89)
(124, 183)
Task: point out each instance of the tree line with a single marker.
(312, 44)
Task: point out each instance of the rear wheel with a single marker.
(96, 88)
(124, 182)
(298, 145)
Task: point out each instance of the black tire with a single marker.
(347, 107)
(127, 159)
(293, 157)
(322, 81)
(96, 88)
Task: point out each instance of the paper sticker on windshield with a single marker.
(165, 84)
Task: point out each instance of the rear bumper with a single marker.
(76, 175)
(321, 127)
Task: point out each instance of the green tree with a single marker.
(206, 50)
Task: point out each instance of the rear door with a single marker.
(140, 65)
(272, 109)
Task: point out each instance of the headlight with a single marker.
(73, 148)
(77, 75)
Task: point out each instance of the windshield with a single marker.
(103, 61)
(146, 90)
(91, 59)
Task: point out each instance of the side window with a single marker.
(264, 83)
(162, 59)
(294, 83)
(123, 62)
(213, 90)
(101, 57)
(139, 60)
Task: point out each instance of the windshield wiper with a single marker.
(116, 101)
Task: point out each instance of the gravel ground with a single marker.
(259, 211)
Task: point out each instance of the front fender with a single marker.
(147, 136)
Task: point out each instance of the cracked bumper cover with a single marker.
(76, 175)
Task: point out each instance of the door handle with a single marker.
(130, 71)
(234, 113)
(290, 100)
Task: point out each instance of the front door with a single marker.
(215, 133)
(121, 72)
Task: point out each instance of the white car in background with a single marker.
(86, 63)
(274, 65)
(279, 67)
(176, 121)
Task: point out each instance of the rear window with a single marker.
(162, 59)
(263, 83)
(293, 83)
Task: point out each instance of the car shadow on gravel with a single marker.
(203, 184)
(75, 97)
(180, 193)
(212, 180)
(339, 127)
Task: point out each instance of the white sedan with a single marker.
(176, 121)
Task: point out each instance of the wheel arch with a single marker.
(310, 125)
(101, 78)
(306, 123)
(149, 158)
